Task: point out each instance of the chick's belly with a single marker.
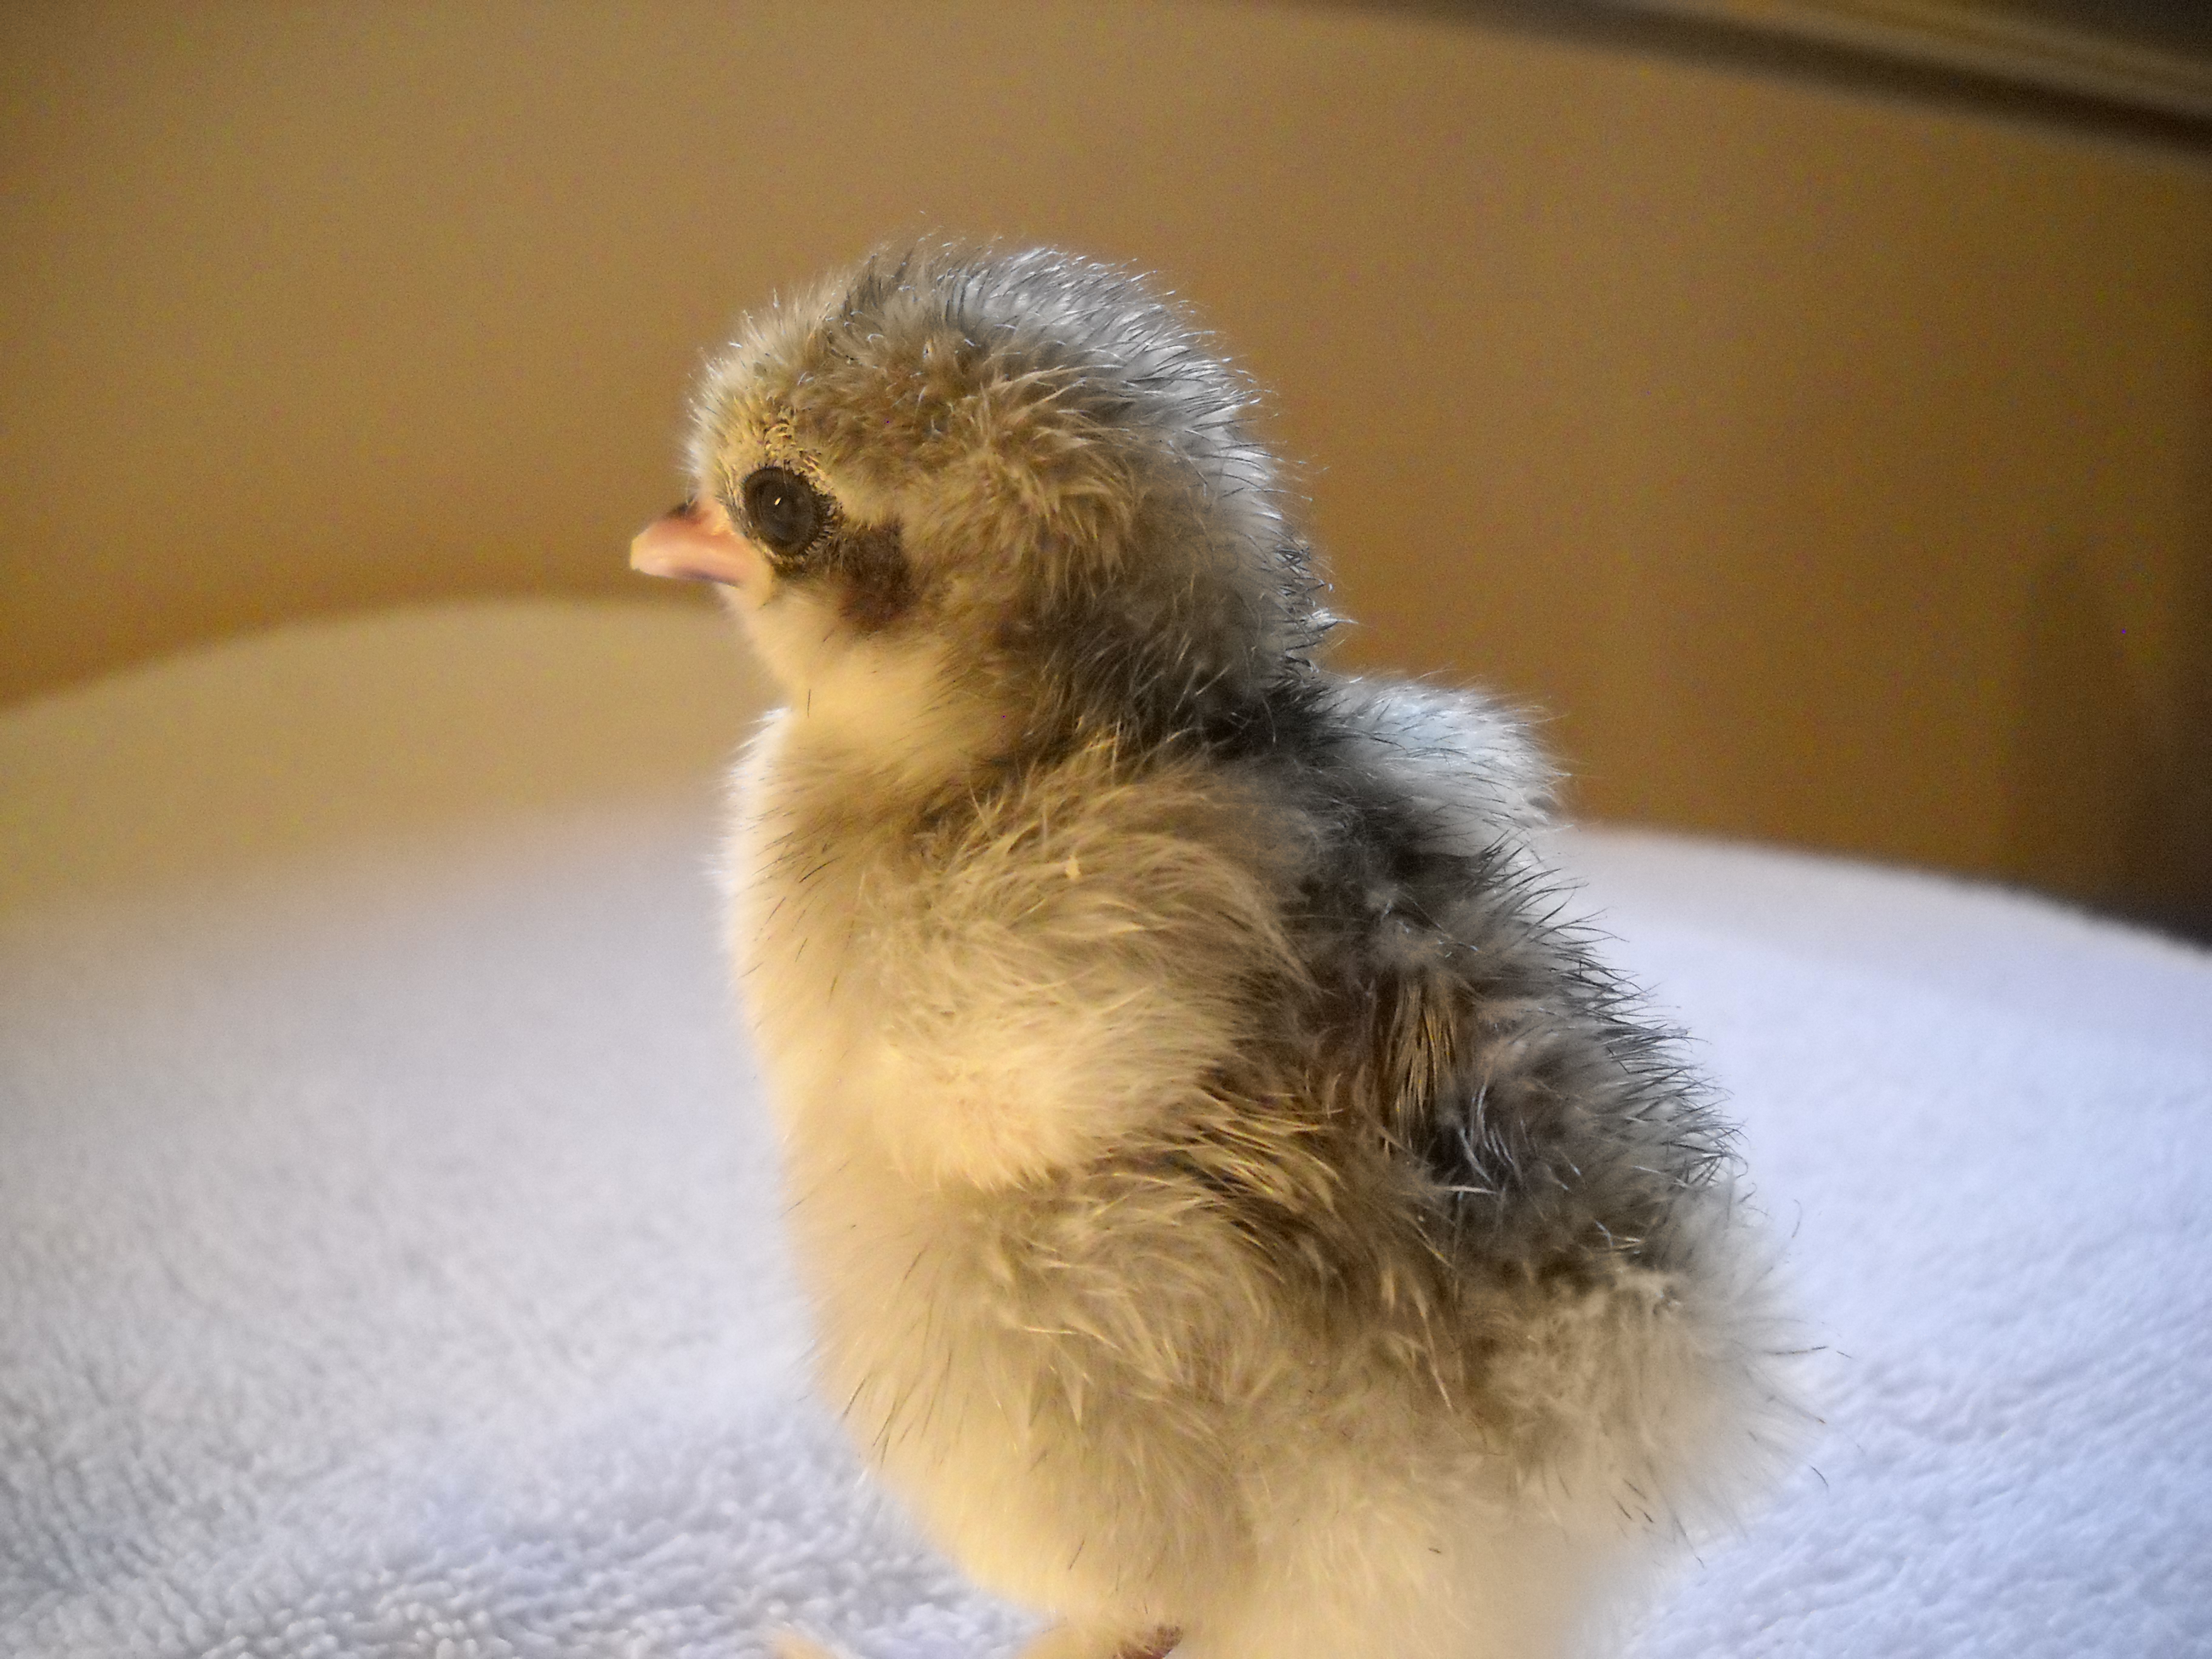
(1115, 1506)
(1041, 1525)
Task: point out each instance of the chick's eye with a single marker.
(783, 512)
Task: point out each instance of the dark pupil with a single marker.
(783, 511)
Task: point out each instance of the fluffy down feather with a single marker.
(1240, 1213)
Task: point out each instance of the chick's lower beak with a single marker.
(695, 543)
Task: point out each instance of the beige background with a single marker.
(1837, 470)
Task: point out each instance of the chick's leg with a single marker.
(1092, 1641)
(1397, 1578)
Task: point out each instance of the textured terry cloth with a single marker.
(389, 1255)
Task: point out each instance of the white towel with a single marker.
(389, 1256)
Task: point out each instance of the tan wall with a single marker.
(1839, 472)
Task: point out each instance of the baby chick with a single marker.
(1240, 1216)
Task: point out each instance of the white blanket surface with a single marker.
(389, 1252)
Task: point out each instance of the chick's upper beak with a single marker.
(696, 543)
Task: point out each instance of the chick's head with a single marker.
(994, 490)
